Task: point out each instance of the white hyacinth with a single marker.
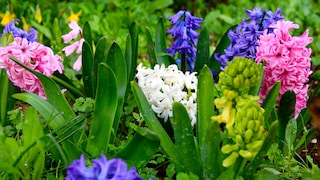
(163, 86)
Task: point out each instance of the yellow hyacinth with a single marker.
(38, 16)
(26, 26)
(74, 16)
(7, 18)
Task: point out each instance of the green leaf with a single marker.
(104, 111)
(39, 163)
(43, 29)
(255, 89)
(291, 134)
(159, 4)
(117, 63)
(101, 51)
(88, 74)
(285, 113)
(87, 34)
(257, 160)
(203, 50)
(160, 43)
(190, 160)
(134, 50)
(49, 113)
(128, 54)
(270, 101)
(153, 123)
(140, 149)
(56, 31)
(32, 130)
(6, 39)
(222, 45)
(53, 93)
(184, 176)
(6, 101)
(150, 48)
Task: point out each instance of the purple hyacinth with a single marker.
(186, 38)
(243, 40)
(17, 32)
(101, 169)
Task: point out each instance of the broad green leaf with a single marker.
(249, 170)
(88, 74)
(140, 149)
(210, 151)
(101, 51)
(153, 123)
(291, 134)
(87, 34)
(117, 63)
(43, 29)
(53, 117)
(53, 93)
(190, 160)
(104, 111)
(159, 4)
(150, 48)
(223, 44)
(203, 50)
(31, 128)
(134, 50)
(270, 101)
(205, 106)
(6, 39)
(160, 43)
(6, 101)
(65, 82)
(285, 113)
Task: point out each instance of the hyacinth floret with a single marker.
(163, 86)
(34, 55)
(185, 35)
(18, 32)
(243, 39)
(287, 59)
(115, 169)
(241, 112)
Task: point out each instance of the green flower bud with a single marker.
(251, 125)
(239, 139)
(246, 154)
(231, 159)
(228, 148)
(248, 135)
(254, 146)
(246, 73)
(236, 82)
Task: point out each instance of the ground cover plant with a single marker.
(159, 90)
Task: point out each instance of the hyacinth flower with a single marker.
(243, 40)
(34, 55)
(75, 46)
(186, 38)
(31, 36)
(287, 59)
(241, 112)
(115, 169)
(164, 86)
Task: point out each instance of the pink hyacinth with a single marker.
(287, 59)
(76, 46)
(34, 55)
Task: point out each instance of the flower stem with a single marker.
(183, 62)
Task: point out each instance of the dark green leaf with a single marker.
(203, 50)
(150, 48)
(128, 54)
(6, 101)
(140, 149)
(117, 63)
(104, 111)
(87, 34)
(285, 113)
(32, 130)
(291, 134)
(101, 51)
(88, 70)
(160, 43)
(134, 50)
(190, 160)
(270, 101)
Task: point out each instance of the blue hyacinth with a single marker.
(244, 39)
(101, 169)
(17, 32)
(186, 38)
